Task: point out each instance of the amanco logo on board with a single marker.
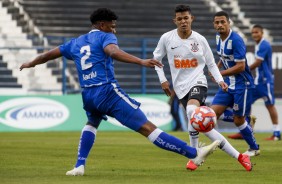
(32, 113)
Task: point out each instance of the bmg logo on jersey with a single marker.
(32, 113)
(185, 63)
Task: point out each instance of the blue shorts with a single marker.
(240, 100)
(265, 91)
(111, 100)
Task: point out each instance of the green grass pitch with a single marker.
(127, 158)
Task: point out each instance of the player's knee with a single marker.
(190, 109)
(147, 128)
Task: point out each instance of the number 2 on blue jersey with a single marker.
(83, 63)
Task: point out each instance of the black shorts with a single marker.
(197, 92)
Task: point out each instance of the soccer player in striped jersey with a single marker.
(264, 79)
(93, 54)
(232, 52)
(188, 53)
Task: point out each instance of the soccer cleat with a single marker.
(191, 165)
(77, 171)
(275, 137)
(202, 154)
(245, 161)
(235, 136)
(252, 152)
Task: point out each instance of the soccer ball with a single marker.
(203, 119)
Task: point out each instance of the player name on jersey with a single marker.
(89, 76)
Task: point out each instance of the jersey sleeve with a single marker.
(239, 49)
(261, 52)
(65, 49)
(109, 38)
(210, 62)
(159, 53)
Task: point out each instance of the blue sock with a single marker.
(248, 119)
(171, 143)
(85, 144)
(247, 133)
(228, 116)
(277, 134)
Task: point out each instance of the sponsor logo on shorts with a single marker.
(236, 107)
(195, 91)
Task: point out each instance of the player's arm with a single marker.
(219, 64)
(236, 69)
(159, 53)
(212, 66)
(256, 64)
(43, 58)
(113, 51)
(239, 52)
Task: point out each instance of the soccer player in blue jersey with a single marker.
(264, 78)
(93, 54)
(232, 52)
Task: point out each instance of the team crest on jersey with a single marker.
(194, 47)
(229, 44)
(236, 107)
(195, 91)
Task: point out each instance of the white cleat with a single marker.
(78, 171)
(204, 152)
(252, 152)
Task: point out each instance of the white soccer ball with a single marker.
(203, 119)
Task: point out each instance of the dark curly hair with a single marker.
(103, 14)
(182, 8)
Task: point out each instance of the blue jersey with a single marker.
(264, 73)
(94, 67)
(101, 93)
(230, 51)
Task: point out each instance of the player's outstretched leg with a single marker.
(86, 142)
(171, 143)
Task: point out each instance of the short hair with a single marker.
(102, 14)
(182, 8)
(258, 26)
(221, 13)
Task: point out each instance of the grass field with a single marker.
(126, 157)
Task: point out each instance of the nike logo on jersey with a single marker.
(174, 47)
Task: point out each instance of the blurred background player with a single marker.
(264, 80)
(188, 53)
(176, 112)
(93, 54)
(232, 52)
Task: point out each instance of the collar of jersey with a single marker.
(93, 30)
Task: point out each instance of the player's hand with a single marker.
(165, 86)
(151, 63)
(223, 86)
(26, 65)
